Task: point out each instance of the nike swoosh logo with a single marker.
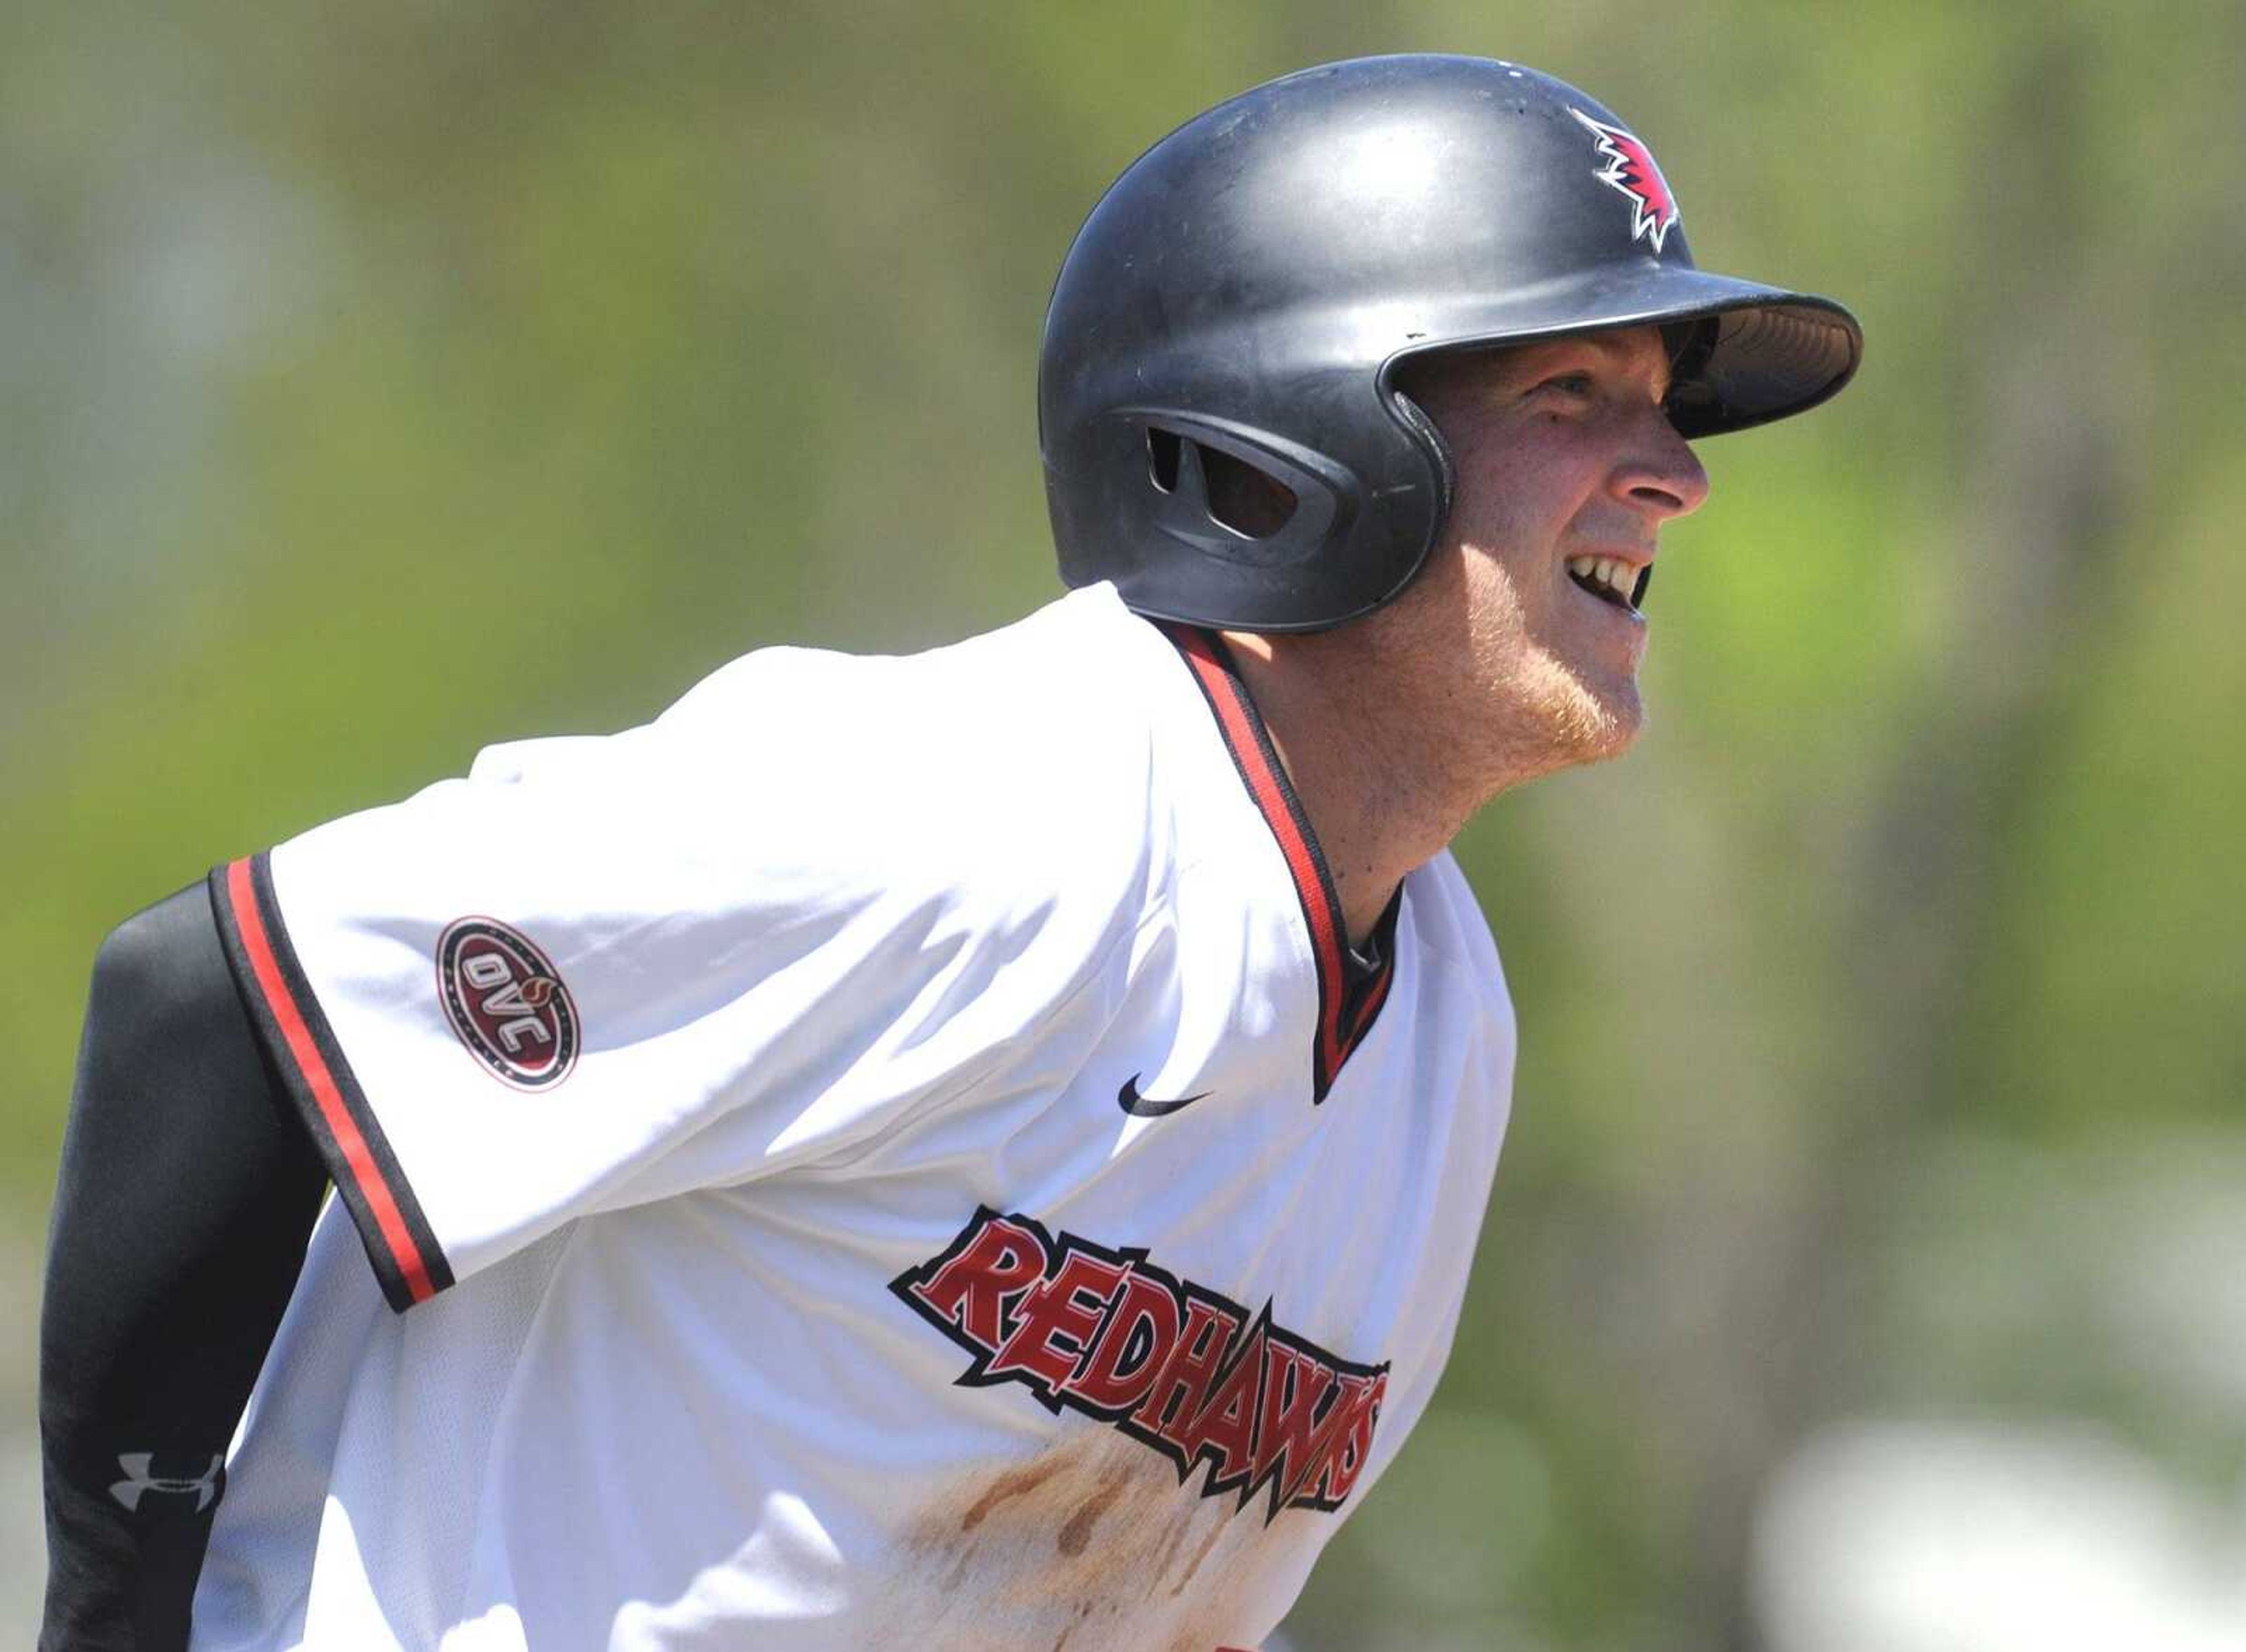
(1140, 1107)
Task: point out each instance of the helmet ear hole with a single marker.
(1240, 497)
(1251, 502)
(1163, 447)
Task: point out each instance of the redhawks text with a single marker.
(1172, 1364)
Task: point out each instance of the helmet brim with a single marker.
(1768, 353)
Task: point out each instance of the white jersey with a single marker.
(894, 1151)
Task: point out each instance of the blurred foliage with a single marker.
(388, 382)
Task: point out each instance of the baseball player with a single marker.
(979, 1150)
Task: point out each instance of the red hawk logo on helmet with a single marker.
(1629, 168)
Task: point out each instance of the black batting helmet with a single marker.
(1244, 293)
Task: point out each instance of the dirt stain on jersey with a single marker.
(1077, 1534)
(1019, 1482)
(1091, 1547)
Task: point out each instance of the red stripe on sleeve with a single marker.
(243, 898)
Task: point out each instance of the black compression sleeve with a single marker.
(186, 1194)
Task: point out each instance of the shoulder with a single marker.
(1017, 760)
(1051, 685)
(989, 795)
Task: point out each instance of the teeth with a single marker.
(1610, 573)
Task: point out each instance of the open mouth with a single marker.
(1611, 579)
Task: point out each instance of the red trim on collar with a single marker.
(1348, 1000)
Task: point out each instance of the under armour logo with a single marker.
(138, 1482)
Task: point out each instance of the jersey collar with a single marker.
(1350, 989)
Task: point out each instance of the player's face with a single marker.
(1565, 462)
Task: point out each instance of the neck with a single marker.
(1377, 794)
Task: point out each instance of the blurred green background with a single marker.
(1865, 1270)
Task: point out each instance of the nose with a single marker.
(1661, 475)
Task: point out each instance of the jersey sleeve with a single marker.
(759, 932)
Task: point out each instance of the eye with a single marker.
(1572, 384)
